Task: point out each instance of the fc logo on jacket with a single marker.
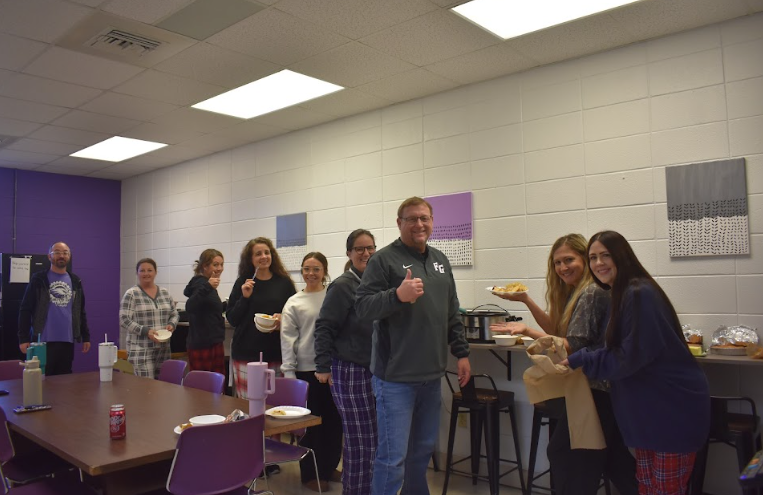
(439, 267)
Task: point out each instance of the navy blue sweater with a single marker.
(659, 393)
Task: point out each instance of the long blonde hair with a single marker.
(561, 298)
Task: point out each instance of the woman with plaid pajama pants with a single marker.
(660, 396)
(145, 309)
(342, 358)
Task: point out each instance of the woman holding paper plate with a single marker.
(148, 315)
(577, 312)
(298, 351)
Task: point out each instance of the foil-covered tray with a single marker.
(735, 335)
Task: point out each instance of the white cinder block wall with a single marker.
(577, 146)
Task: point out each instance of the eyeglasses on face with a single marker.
(60, 253)
(361, 249)
(414, 219)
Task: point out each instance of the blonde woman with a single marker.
(577, 312)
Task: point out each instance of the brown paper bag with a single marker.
(547, 379)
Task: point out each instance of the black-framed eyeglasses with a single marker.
(361, 249)
(414, 219)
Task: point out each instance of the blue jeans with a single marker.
(408, 420)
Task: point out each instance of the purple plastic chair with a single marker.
(205, 380)
(172, 371)
(289, 392)
(218, 459)
(19, 470)
(11, 370)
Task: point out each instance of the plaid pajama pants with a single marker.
(663, 473)
(208, 359)
(147, 356)
(354, 399)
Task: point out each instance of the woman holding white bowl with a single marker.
(577, 312)
(145, 311)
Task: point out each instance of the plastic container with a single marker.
(32, 382)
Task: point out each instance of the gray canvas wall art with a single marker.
(707, 208)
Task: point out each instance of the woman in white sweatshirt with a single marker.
(298, 361)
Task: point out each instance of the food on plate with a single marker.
(695, 349)
(268, 317)
(695, 339)
(185, 426)
(729, 346)
(278, 412)
(512, 287)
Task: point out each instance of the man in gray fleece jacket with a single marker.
(409, 291)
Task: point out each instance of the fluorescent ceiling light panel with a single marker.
(117, 149)
(274, 92)
(512, 18)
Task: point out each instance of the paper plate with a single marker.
(287, 412)
(502, 292)
(177, 430)
(163, 335)
(207, 419)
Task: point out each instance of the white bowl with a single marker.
(527, 340)
(505, 339)
(207, 419)
(265, 321)
(163, 335)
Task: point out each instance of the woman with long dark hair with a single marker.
(206, 331)
(659, 394)
(263, 286)
(577, 312)
(342, 359)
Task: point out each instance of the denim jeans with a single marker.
(408, 419)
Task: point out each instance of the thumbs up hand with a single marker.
(410, 289)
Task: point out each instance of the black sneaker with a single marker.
(272, 469)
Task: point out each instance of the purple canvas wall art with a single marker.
(452, 230)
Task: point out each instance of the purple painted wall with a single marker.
(84, 213)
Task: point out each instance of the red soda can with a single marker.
(117, 422)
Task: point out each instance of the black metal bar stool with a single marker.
(484, 406)
(738, 430)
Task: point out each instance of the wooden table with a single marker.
(77, 427)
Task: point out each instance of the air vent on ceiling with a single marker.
(115, 40)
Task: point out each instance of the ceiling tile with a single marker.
(488, 63)
(42, 20)
(96, 122)
(13, 127)
(26, 157)
(190, 119)
(346, 102)
(148, 11)
(50, 147)
(34, 88)
(70, 136)
(168, 88)
(215, 65)
(30, 111)
(250, 131)
(277, 37)
(129, 107)
(69, 165)
(356, 19)
(89, 3)
(160, 133)
(123, 168)
(351, 64)
(574, 39)
(651, 19)
(104, 174)
(19, 165)
(17, 52)
(408, 85)
(294, 118)
(431, 38)
(79, 68)
(211, 143)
